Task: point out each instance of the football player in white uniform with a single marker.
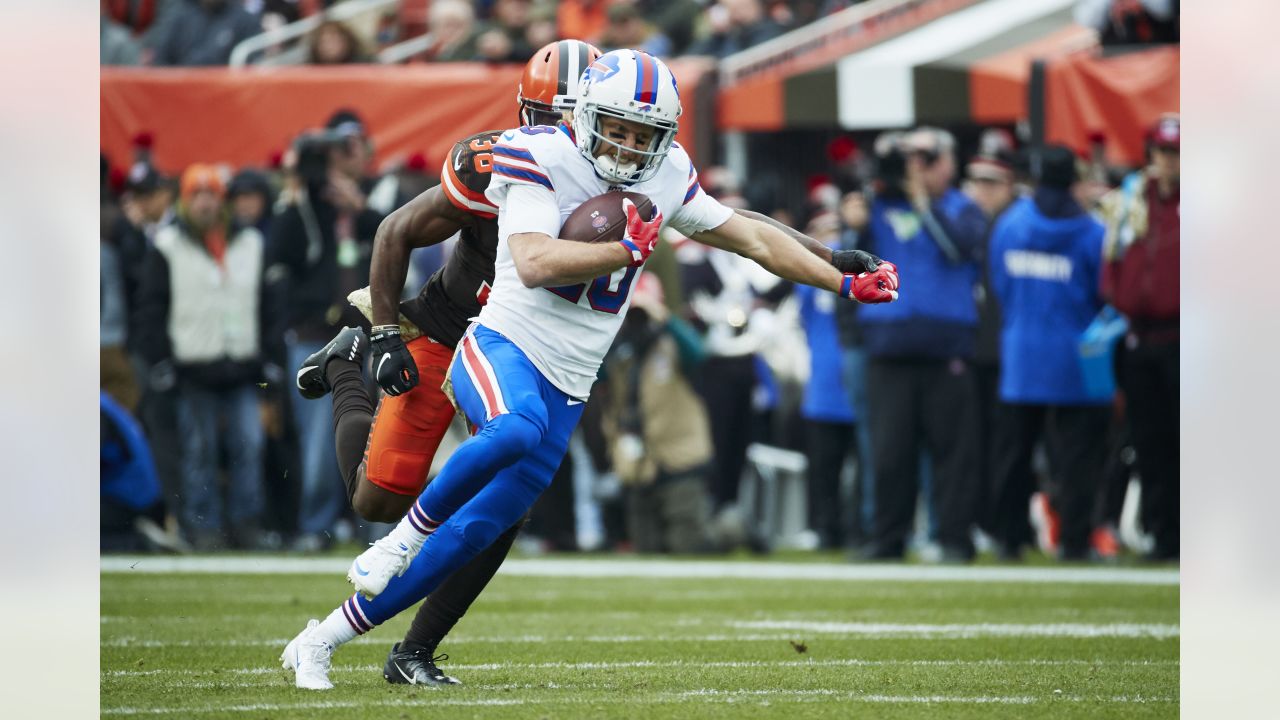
(523, 371)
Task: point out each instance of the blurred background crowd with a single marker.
(1021, 395)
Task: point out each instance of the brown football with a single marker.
(601, 218)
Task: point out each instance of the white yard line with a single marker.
(844, 694)
(631, 664)
(860, 630)
(634, 568)
(958, 630)
(320, 705)
(705, 695)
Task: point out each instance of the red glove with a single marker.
(877, 286)
(641, 237)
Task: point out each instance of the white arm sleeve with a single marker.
(702, 212)
(528, 209)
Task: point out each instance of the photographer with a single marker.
(919, 384)
(656, 426)
(319, 251)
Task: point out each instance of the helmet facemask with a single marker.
(606, 154)
(533, 112)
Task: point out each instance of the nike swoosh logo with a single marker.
(412, 680)
(383, 361)
(457, 162)
(304, 371)
(575, 402)
(359, 570)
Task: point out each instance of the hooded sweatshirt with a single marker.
(1045, 263)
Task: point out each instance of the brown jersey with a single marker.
(453, 295)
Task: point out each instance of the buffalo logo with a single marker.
(644, 108)
(606, 66)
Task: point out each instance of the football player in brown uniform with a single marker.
(385, 454)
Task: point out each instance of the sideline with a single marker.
(671, 569)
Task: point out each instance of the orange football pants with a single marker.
(407, 428)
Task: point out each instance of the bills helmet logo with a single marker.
(605, 67)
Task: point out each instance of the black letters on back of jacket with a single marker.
(455, 293)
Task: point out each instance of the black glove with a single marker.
(854, 262)
(393, 366)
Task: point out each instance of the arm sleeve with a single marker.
(699, 212)
(529, 209)
(521, 188)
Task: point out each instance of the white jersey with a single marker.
(539, 179)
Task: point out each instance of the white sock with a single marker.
(336, 629)
(413, 529)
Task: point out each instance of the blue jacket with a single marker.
(824, 396)
(937, 258)
(1045, 262)
(128, 473)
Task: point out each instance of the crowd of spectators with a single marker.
(203, 32)
(962, 411)
(960, 417)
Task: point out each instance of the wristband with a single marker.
(846, 285)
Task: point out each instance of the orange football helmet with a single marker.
(549, 85)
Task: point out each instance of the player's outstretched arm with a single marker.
(774, 250)
(782, 256)
(846, 261)
(813, 246)
(425, 220)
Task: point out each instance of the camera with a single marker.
(891, 165)
(312, 149)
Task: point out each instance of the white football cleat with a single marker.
(374, 568)
(308, 657)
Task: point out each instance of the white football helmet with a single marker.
(631, 85)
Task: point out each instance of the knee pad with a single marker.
(479, 533)
(517, 435)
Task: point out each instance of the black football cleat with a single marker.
(415, 667)
(348, 344)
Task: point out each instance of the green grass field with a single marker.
(205, 645)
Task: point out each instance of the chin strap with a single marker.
(608, 167)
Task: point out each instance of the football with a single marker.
(601, 219)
